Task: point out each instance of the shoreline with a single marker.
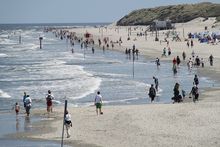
(185, 124)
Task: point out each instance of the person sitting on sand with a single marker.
(98, 103)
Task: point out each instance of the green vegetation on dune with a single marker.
(175, 13)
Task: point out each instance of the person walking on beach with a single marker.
(187, 44)
(192, 44)
(195, 93)
(49, 98)
(178, 60)
(177, 97)
(152, 92)
(68, 123)
(16, 108)
(196, 80)
(24, 97)
(158, 62)
(28, 103)
(202, 62)
(184, 55)
(98, 103)
(174, 61)
(211, 60)
(169, 51)
(93, 50)
(156, 83)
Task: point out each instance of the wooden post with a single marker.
(19, 39)
(133, 54)
(40, 38)
(65, 108)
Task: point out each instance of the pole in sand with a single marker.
(19, 39)
(65, 107)
(40, 38)
(133, 53)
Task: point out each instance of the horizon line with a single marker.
(55, 23)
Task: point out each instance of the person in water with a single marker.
(152, 93)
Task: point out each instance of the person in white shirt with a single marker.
(28, 102)
(98, 103)
(68, 123)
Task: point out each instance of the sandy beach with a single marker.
(155, 125)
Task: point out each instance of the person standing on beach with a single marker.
(192, 44)
(16, 108)
(196, 80)
(187, 44)
(184, 55)
(68, 123)
(174, 61)
(211, 60)
(157, 62)
(98, 103)
(178, 60)
(24, 97)
(49, 98)
(152, 93)
(28, 103)
(156, 83)
(195, 93)
(93, 50)
(177, 97)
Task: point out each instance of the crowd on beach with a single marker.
(103, 43)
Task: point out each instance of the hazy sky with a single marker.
(75, 11)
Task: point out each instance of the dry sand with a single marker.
(154, 125)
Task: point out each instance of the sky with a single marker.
(76, 11)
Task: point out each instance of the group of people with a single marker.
(27, 101)
(194, 93)
(49, 97)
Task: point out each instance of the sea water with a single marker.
(78, 76)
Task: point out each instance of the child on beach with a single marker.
(16, 108)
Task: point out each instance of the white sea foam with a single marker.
(4, 94)
(3, 55)
(5, 41)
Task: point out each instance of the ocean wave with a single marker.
(4, 94)
(3, 55)
(5, 41)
